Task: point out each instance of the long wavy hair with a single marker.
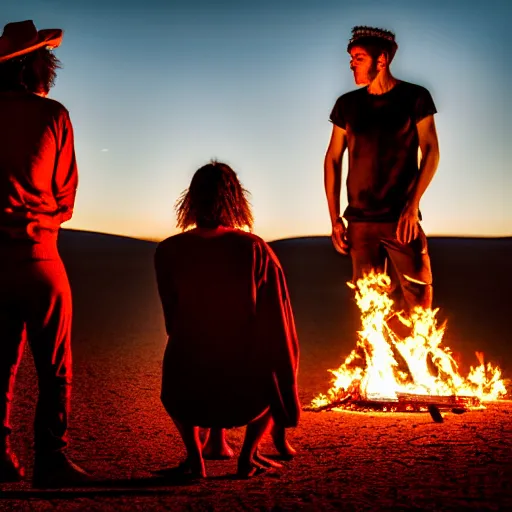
(35, 72)
(214, 198)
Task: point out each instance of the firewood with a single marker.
(331, 405)
(435, 413)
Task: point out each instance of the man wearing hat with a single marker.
(382, 124)
(38, 181)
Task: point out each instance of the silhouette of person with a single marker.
(38, 181)
(382, 125)
(232, 354)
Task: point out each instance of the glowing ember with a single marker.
(386, 367)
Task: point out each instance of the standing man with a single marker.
(382, 125)
(38, 181)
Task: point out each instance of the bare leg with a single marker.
(284, 448)
(204, 434)
(249, 462)
(216, 446)
(194, 464)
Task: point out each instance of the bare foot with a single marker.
(250, 468)
(264, 461)
(187, 468)
(257, 465)
(285, 450)
(212, 451)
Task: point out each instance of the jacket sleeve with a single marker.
(276, 327)
(163, 279)
(65, 178)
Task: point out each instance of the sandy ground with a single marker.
(347, 461)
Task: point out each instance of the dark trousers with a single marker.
(373, 245)
(35, 305)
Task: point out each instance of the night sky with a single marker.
(157, 88)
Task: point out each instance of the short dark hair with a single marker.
(374, 40)
(36, 71)
(214, 198)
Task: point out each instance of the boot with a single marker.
(55, 470)
(10, 468)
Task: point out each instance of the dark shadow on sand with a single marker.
(234, 477)
(148, 486)
(140, 487)
(225, 477)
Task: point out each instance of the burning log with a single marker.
(441, 402)
(330, 405)
(406, 402)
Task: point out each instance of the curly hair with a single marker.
(214, 198)
(35, 72)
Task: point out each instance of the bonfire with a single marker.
(392, 372)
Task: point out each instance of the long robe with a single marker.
(232, 345)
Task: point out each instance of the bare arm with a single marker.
(332, 170)
(407, 228)
(429, 158)
(332, 184)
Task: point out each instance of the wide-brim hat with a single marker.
(22, 37)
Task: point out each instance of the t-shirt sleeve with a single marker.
(424, 105)
(337, 116)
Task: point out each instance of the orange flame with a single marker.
(385, 364)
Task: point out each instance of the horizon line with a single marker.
(155, 240)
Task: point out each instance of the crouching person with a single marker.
(232, 352)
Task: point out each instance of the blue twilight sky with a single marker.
(157, 88)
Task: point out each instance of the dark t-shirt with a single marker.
(383, 146)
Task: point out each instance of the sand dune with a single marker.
(352, 461)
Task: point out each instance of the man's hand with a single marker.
(408, 225)
(339, 236)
